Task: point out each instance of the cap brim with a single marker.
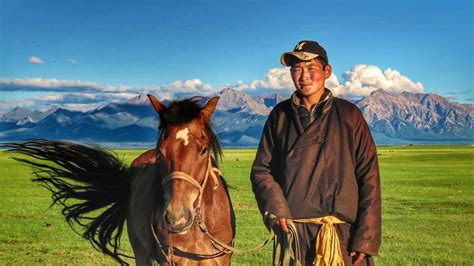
(288, 58)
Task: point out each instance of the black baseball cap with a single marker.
(304, 50)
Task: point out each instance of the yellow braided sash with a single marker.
(328, 248)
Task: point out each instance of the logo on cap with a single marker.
(299, 46)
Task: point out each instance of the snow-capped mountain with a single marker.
(393, 119)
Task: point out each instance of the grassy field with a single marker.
(428, 211)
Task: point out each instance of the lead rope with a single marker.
(286, 247)
(170, 250)
(219, 245)
(167, 257)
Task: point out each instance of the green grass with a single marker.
(428, 214)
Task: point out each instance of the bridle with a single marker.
(211, 171)
(223, 248)
(214, 173)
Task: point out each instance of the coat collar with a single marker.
(296, 100)
(321, 108)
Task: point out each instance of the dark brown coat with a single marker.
(330, 168)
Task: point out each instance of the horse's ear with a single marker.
(209, 109)
(157, 105)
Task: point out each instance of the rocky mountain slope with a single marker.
(417, 116)
(393, 119)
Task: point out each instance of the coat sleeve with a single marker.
(268, 193)
(366, 236)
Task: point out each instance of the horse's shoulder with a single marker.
(148, 157)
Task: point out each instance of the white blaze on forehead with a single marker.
(183, 134)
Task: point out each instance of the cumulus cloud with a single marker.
(361, 80)
(332, 83)
(72, 86)
(84, 95)
(71, 101)
(35, 60)
(275, 78)
(72, 61)
(193, 86)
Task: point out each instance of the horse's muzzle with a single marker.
(179, 222)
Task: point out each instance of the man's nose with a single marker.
(304, 75)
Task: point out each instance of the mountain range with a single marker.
(393, 119)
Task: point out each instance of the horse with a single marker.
(173, 198)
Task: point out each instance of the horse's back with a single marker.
(147, 158)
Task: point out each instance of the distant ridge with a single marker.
(417, 116)
(393, 119)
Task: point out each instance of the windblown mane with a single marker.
(184, 111)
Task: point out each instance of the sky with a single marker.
(84, 54)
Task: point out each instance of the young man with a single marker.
(317, 166)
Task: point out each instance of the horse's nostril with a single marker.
(178, 223)
(181, 221)
(177, 220)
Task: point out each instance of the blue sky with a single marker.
(82, 54)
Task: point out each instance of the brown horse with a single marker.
(194, 194)
(174, 200)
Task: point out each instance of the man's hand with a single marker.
(272, 220)
(357, 256)
(282, 223)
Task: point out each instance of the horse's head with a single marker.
(185, 145)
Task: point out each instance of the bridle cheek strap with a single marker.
(211, 171)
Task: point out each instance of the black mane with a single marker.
(184, 111)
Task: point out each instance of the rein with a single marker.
(219, 245)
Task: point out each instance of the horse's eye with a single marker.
(204, 151)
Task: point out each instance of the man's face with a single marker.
(309, 77)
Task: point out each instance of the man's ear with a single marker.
(327, 71)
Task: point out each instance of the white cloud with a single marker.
(86, 95)
(275, 78)
(361, 80)
(83, 107)
(40, 84)
(6, 106)
(35, 60)
(193, 85)
(71, 86)
(332, 83)
(71, 101)
(72, 61)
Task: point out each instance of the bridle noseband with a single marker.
(211, 171)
